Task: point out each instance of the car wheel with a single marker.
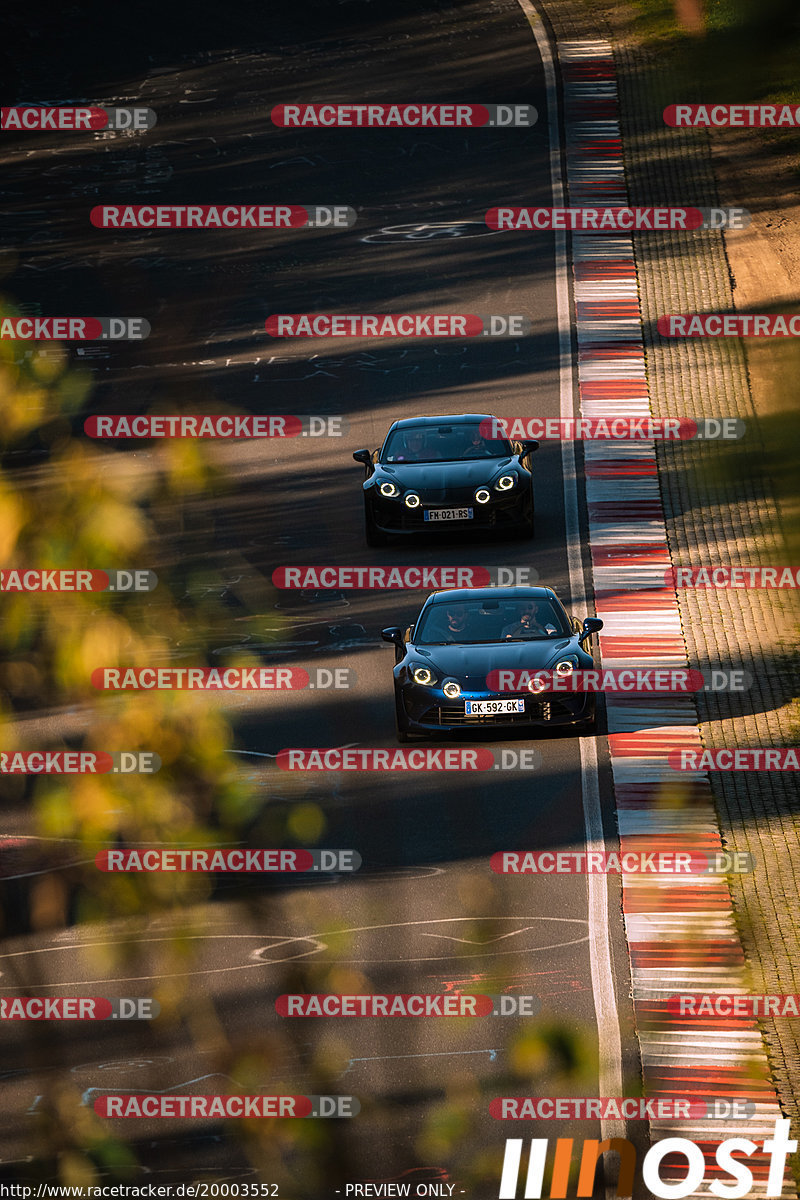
(373, 534)
(587, 728)
(400, 727)
(527, 527)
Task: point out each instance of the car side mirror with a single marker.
(394, 635)
(363, 456)
(530, 445)
(591, 625)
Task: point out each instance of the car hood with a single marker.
(467, 473)
(475, 662)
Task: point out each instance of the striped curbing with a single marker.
(680, 929)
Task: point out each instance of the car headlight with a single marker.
(411, 500)
(452, 690)
(565, 666)
(505, 483)
(423, 676)
(389, 489)
(536, 684)
(483, 495)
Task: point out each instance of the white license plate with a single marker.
(448, 514)
(485, 708)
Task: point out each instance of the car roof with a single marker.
(447, 419)
(493, 593)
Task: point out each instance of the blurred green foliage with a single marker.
(65, 502)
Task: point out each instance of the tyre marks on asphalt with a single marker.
(507, 943)
(681, 932)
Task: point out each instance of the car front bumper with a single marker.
(503, 512)
(428, 710)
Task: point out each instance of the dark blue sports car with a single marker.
(470, 659)
(447, 473)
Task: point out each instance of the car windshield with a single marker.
(469, 622)
(442, 443)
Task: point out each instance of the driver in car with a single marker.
(477, 446)
(534, 621)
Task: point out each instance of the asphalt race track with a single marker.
(425, 913)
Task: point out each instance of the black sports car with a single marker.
(446, 473)
(470, 660)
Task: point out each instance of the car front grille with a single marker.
(455, 715)
(414, 518)
(535, 710)
(502, 511)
